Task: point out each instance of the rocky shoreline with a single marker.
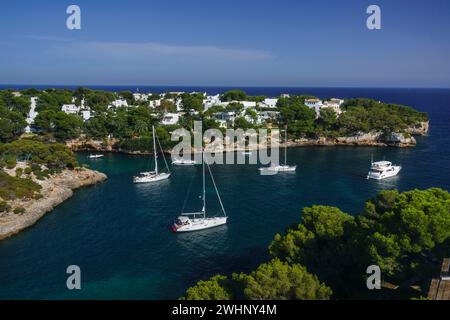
(378, 139)
(55, 190)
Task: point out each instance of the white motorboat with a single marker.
(280, 168)
(183, 162)
(95, 156)
(382, 170)
(153, 176)
(247, 153)
(189, 222)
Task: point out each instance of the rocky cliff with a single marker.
(55, 190)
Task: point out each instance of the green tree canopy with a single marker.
(278, 280)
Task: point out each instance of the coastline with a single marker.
(360, 139)
(55, 190)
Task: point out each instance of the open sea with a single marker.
(117, 231)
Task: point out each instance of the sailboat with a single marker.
(189, 222)
(281, 168)
(153, 176)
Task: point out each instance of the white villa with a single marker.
(211, 101)
(154, 103)
(334, 104)
(317, 104)
(140, 97)
(70, 109)
(119, 103)
(268, 103)
(86, 114)
(170, 119)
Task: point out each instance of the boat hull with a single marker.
(201, 224)
(385, 175)
(184, 163)
(152, 178)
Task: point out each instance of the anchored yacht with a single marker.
(183, 162)
(382, 170)
(95, 156)
(153, 176)
(188, 222)
(281, 168)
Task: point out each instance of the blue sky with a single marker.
(232, 43)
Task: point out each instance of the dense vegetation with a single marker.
(52, 155)
(131, 127)
(406, 234)
(12, 188)
(13, 111)
(360, 115)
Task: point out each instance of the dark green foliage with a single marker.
(53, 99)
(4, 206)
(192, 102)
(54, 156)
(63, 126)
(13, 111)
(12, 188)
(403, 233)
(234, 95)
(145, 144)
(278, 280)
(19, 210)
(215, 288)
(274, 280)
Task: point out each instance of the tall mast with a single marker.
(285, 147)
(154, 150)
(204, 190)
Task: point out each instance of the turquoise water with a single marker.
(117, 231)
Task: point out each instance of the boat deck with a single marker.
(440, 288)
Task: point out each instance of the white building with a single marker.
(268, 103)
(70, 109)
(334, 104)
(120, 103)
(271, 116)
(141, 97)
(315, 104)
(86, 114)
(211, 101)
(170, 119)
(154, 103)
(32, 114)
(247, 104)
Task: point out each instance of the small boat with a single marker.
(95, 156)
(189, 222)
(247, 153)
(183, 162)
(153, 176)
(280, 168)
(382, 170)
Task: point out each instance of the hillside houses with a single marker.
(318, 104)
(169, 107)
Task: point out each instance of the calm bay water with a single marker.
(117, 232)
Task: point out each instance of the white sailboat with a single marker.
(95, 156)
(281, 168)
(153, 176)
(196, 221)
(183, 162)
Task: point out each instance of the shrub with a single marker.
(19, 172)
(4, 206)
(17, 188)
(11, 163)
(19, 210)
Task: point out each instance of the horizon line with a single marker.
(219, 86)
